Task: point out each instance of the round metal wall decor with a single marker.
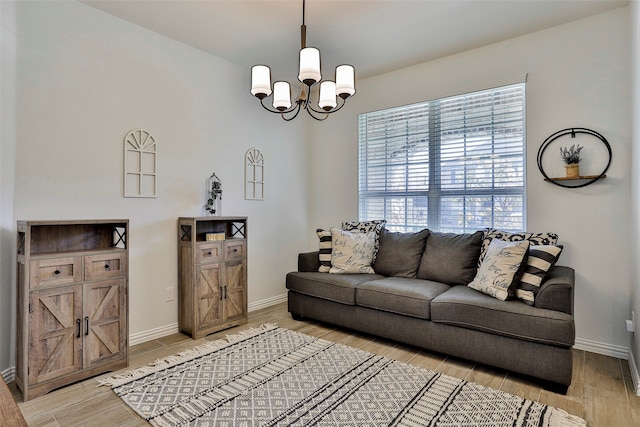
(581, 181)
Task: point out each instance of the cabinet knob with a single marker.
(210, 253)
(56, 272)
(107, 266)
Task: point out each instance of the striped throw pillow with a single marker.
(541, 259)
(324, 255)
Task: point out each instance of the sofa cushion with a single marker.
(540, 259)
(410, 297)
(500, 268)
(464, 307)
(332, 287)
(365, 227)
(400, 253)
(351, 252)
(451, 258)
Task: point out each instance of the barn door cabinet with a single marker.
(212, 274)
(72, 279)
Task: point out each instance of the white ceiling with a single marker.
(375, 36)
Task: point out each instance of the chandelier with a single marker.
(332, 94)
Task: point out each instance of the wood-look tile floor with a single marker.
(601, 391)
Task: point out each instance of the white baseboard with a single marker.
(635, 376)
(9, 374)
(152, 334)
(619, 352)
(602, 348)
(613, 351)
(163, 331)
(268, 302)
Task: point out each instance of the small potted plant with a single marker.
(571, 157)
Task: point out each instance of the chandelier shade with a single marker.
(345, 81)
(260, 81)
(327, 100)
(309, 66)
(332, 94)
(281, 96)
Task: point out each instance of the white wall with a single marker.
(578, 76)
(7, 173)
(635, 189)
(85, 79)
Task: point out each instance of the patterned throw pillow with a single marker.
(534, 238)
(541, 259)
(366, 227)
(499, 268)
(324, 255)
(351, 252)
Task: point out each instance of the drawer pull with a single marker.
(209, 253)
(235, 250)
(86, 321)
(107, 266)
(78, 322)
(56, 272)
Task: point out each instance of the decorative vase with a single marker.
(573, 170)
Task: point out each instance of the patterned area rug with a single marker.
(271, 376)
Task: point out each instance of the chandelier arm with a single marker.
(311, 110)
(297, 109)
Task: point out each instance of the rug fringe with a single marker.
(183, 356)
(561, 418)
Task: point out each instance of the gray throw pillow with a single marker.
(451, 258)
(400, 253)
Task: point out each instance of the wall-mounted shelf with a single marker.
(577, 178)
(573, 182)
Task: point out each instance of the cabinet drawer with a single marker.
(234, 250)
(55, 271)
(104, 266)
(208, 252)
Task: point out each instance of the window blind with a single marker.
(454, 164)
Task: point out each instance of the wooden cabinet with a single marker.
(212, 274)
(72, 302)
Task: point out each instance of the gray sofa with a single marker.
(451, 318)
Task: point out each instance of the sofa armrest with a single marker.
(308, 261)
(556, 291)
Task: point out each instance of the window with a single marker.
(454, 164)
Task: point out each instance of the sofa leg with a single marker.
(296, 316)
(555, 387)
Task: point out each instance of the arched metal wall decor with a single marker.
(254, 175)
(140, 164)
(581, 181)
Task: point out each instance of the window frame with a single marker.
(435, 192)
